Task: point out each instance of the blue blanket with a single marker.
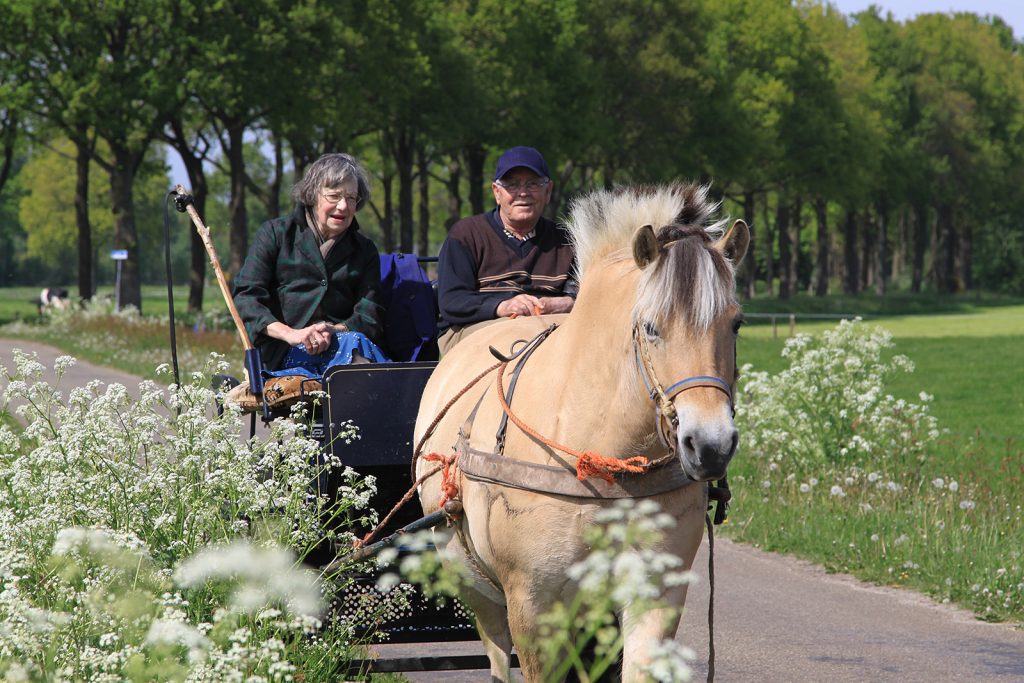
(344, 344)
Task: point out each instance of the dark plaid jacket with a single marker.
(284, 278)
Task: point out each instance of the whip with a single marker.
(253, 364)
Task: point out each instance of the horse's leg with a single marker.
(492, 624)
(488, 606)
(524, 627)
(640, 631)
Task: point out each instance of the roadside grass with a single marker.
(130, 343)
(964, 545)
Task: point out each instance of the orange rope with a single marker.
(588, 463)
(358, 543)
(444, 411)
(449, 465)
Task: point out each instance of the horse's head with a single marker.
(685, 323)
(685, 315)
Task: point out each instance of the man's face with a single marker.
(336, 207)
(521, 196)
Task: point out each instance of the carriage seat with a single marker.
(410, 300)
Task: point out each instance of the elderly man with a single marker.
(507, 262)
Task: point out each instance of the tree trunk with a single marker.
(750, 263)
(387, 222)
(197, 180)
(821, 281)
(769, 246)
(404, 156)
(9, 126)
(920, 245)
(236, 207)
(274, 198)
(423, 243)
(867, 248)
(882, 248)
(797, 255)
(454, 192)
(945, 263)
(900, 245)
(83, 155)
(966, 257)
(197, 251)
(786, 265)
(122, 180)
(475, 156)
(851, 264)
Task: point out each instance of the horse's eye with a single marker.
(651, 331)
(737, 324)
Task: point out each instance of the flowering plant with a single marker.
(142, 538)
(829, 405)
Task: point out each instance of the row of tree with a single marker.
(859, 148)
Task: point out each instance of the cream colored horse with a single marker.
(656, 287)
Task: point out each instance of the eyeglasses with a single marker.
(336, 197)
(530, 185)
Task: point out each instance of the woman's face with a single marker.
(336, 207)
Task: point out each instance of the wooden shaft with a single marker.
(204, 234)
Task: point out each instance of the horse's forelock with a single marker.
(690, 278)
(604, 221)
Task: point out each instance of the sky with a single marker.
(1010, 11)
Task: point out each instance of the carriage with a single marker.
(382, 400)
(656, 302)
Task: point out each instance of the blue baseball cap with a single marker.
(526, 157)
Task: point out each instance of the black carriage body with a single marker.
(382, 402)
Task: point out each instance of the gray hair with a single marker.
(328, 172)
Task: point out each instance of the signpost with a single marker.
(119, 255)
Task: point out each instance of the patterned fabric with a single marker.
(480, 266)
(340, 352)
(286, 279)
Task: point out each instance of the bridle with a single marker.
(666, 418)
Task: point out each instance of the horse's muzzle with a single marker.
(705, 451)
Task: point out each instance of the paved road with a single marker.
(779, 619)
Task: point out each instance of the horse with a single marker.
(656, 303)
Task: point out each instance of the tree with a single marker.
(111, 69)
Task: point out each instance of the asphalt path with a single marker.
(777, 619)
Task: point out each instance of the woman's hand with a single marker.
(315, 338)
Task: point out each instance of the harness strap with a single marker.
(523, 355)
(491, 468)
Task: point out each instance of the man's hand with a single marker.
(524, 304)
(556, 304)
(520, 304)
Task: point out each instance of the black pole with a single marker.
(170, 286)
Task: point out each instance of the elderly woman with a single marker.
(308, 290)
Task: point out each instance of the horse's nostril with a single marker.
(688, 443)
(735, 442)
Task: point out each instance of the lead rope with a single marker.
(711, 600)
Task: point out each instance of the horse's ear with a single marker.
(645, 246)
(733, 245)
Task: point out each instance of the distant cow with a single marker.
(51, 298)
